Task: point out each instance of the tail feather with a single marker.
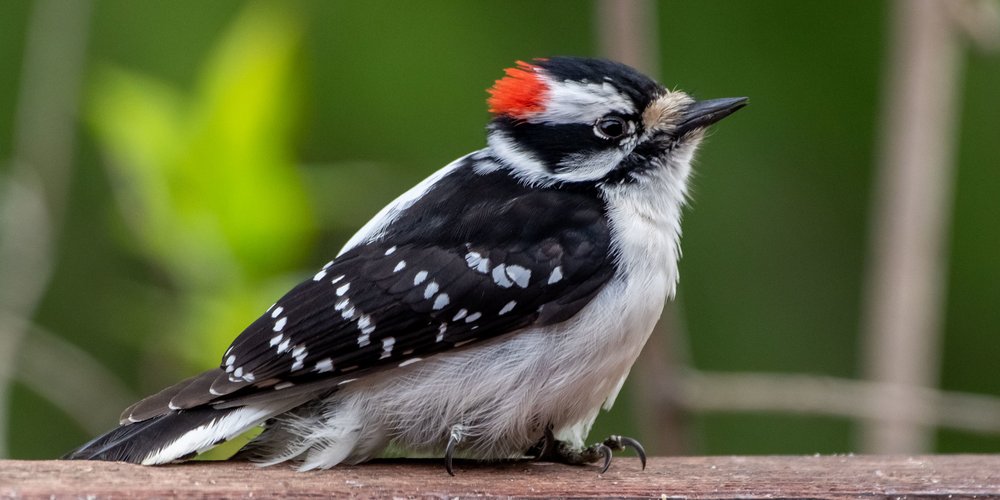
(172, 436)
(190, 393)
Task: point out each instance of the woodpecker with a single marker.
(490, 311)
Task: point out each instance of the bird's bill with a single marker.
(701, 114)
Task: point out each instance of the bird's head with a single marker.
(571, 120)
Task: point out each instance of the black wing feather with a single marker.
(133, 442)
(453, 268)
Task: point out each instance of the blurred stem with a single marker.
(628, 32)
(833, 397)
(86, 391)
(35, 192)
(906, 279)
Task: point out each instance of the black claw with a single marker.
(448, 452)
(631, 443)
(606, 453)
(549, 448)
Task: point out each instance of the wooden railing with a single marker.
(930, 476)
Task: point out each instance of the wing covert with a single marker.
(442, 277)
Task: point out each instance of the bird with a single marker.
(490, 312)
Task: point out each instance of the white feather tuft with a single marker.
(206, 436)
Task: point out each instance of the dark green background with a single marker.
(774, 242)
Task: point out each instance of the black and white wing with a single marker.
(476, 257)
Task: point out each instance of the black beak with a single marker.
(704, 113)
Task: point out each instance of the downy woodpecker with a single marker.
(490, 311)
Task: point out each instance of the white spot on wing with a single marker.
(277, 312)
(284, 345)
(484, 266)
(520, 275)
(508, 307)
(440, 301)
(324, 366)
(336, 280)
(365, 324)
(556, 275)
(390, 250)
(472, 317)
(431, 289)
(343, 289)
(441, 330)
(364, 340)
(342, 304)
(299, 353)
(230, 360)
(500, 276)
(387, 344)
(399, 267)
(276, 339)
(473, 258)
(278, 325)
(320, 275)
(460, 314)
(419, 278)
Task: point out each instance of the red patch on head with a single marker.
(520, 93)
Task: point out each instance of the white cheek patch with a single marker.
(569, 102)
(522, 163)
(590, 166)
(581, 167)
(576, 102)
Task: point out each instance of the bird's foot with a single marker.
(552, 450)
(454, 439)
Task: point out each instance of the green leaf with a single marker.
(208, 179)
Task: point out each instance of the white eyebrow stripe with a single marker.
(578, 102)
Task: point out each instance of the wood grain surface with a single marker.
(933, 476)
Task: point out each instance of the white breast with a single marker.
(506, 390)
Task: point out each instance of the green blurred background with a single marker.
(221, 150)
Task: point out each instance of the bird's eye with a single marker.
(610, 127)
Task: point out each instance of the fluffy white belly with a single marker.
(505, 391)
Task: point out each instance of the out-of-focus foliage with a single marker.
(207, 178)
(228, 147)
